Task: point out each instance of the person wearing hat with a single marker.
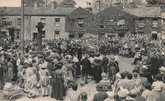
(118, 78)
(162, 72)
(85, 68)
(44, 80)
(10, 73)
(136, 95)
(157, 87)
(112, 69)
(104, 63)
(147, 93)
(83, 96)
(122, 94)
(58, 83)
(73, 93)
(104, 82)
(100, 95)
(162, 94)
(1, 77)
(97, 68)
(138, 66)
(68, 68)
(147, 73)
(31, 82)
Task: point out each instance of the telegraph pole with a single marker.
(22, 28)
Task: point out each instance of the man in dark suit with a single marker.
(86, 67)
(104, 63)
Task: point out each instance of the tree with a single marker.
(155, 2)
(30, 3)
(3, 24)
(67, 3)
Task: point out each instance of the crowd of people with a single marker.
(56, 71)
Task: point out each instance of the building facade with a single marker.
(52, 18)
(147, 20)
(113, 23)
(79, 22)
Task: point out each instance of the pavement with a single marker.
(124, 65)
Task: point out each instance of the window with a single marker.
(111, 23)
(18, 21)
(155, 23)
(57, 22)
(43, 20)
(3, 20)
(80, 22)
(80, 35)
(101, 26)
(141, 23)
(17, 35)
(43, 34)
(56, 34)
(121, 23)
(163, 21)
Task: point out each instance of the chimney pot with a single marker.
(53, 5)
(35, 5)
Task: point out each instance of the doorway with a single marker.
(34, 36)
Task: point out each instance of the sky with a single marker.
(17, 3)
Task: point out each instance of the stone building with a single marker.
(147, 20)
(79, 22)
(113, 23)
(53, 19)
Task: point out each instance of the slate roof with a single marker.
(110, 11)
(79, 12)
(59, 11)
(144, 11)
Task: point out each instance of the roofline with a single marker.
(119, 10)
(147, 17)
(33, 15)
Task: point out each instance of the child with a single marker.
(73, 93)
(44, 81)
(83, 96)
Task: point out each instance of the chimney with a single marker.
(35, 5)
(53, 5)
(162, 7)
(89, 9)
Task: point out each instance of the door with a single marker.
(34, 36)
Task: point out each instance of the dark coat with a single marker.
(1, 73)
(162, 95)
(86, 65)
(101, 96)
(148, 75)
(104, 64)
(58, 89)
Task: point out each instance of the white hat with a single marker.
(162, 69)
(1, 48)
(30, 51)
(118, 75)
(111, 94)
(135, 91)
(103, 74)
(144, 67)
(123, 93)
(30, 61)
(44, 66)
(163, 53)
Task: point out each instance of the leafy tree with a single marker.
(67, 3)
(30, 3)
(155, 2)
(3, 23)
